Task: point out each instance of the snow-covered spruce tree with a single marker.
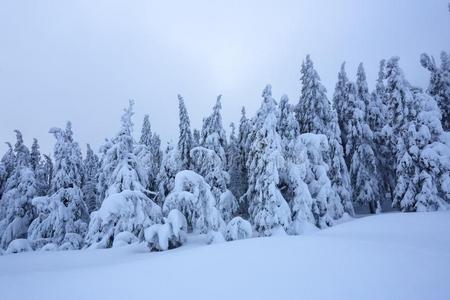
(143, 153)
(363, 162)
(35, 155)
(155, 150)
(91, 165)
(213, 135)
(149, 153)
(340, 102)
(146, 132)
(126, 206)
(209, 165)
(312, 167)
(170, 166)
(423, 169)
(44, 176)
(233, 167)
(362, 89)
(195, 138)
(316, 115)
(16, 211)
(439, 86)
(62, 216)
(292, 175)
(245, 129)
(268, 209)
(185, 138)
(7, 165)
(376, 110)
(192, 196)
(382, 134)
(398, 101)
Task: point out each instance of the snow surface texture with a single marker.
(388, 256)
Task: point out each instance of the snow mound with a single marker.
(124, 238)
(18, 246)
(171, 234)
(238, 229)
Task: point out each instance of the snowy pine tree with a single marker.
(170, 166)
(35, 155)
(213, 135)
(192, 196)
(91, 165)
(185, 139)
(340, 102)
(439, 86)
(63, 216)
(148, 153)
(16, 211)
(423, 168)
(126, 206)
(363, 163)
(7, 165)
(268, 209)
(245, 129)
(316, 115)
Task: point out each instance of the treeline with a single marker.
(287, 169)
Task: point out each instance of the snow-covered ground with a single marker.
(390, 256)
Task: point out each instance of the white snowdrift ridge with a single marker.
(389, 256)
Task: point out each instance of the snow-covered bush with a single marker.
(215, 237)
(60, 216)
(124, 238)
(171, 234)
(18, 246)
(238, 229)
(72, 241)
(129, 211)
(227, 205)
(192, 196)
(49, 247)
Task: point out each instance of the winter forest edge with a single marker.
(291, 168)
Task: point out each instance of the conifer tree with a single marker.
(245, 129)
(213, 135)
(91, 165)
(363, 164)
(7, 164)
(170, 166)
(316, 115)
(127, 206)
(62, 216)
(185, 139)
(268, 209)
(439, 86)
(234, 168)
(423, 166)
(16, 211)
(340, 102)
(35, 156)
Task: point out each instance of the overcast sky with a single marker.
(82, 60)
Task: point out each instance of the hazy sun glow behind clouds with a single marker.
(82, 61)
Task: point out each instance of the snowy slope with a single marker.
(390, 256)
